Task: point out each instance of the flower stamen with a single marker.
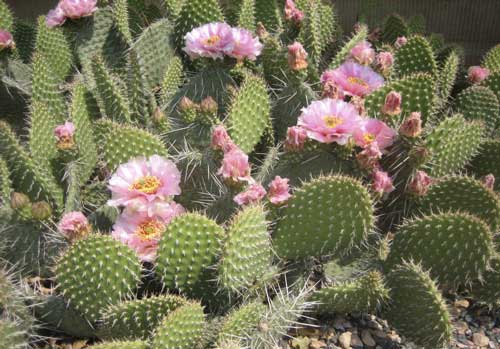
(147, 185)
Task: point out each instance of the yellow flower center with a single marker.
(357, 81)
(368, 137)
(147, 184)
(332, 121)
(212, 40)
(149, 230)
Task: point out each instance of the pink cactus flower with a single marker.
(489, 181)
(363, 53)
(292, 13)
(6, 40)
(329, 120)
(382, 183)
(55, 17)
(142, 232)
(254, 193)
(144, 181)
(211, 40)
(400, 41)
(412, 126)
(75, 9)
(221, 139)
(374, 131)
(369, 157)
(295, 138)
(420, 183)
(74, 225)
(297, 56)
(279, 191)
(477, 74)
(243, 45)
(392, 105)
(385, 61)
(235, 166)
(354, 79)
(65, 135)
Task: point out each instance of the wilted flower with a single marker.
(235, 166)
(55, 17)
(292, 13)
(420, 183)
(211, 40)
(363, 53)
(297, 56)
(369, 157)
(65, 135)
(354, 79)
(295, 138)
(400, 41)
(254, 193)
(279, 191)
(381, 182)
(476, 74)
(373, 130)
(489, 181)
(392, 104)
(385, 61)
(331, 90)
(221, 139)
(412, 126)
(6, 40)
(74, 225)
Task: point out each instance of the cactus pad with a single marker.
(492, 59)
(479, 103)
(488, 160)
(493, 82)
(415, 56)
(121, 345)
(488, 290)
(243, 321)
(394, 27)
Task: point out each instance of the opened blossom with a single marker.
(65, 135)
(477, 74)
(74, 225)
(363, 53)
(381, 182)
(143, 181)
(354, 79)
(329, 120)
(297, 56)
(279, 191)
(374, 131)
(211, 40)
(142, 232)
(235, 166)
(6, 40)
(295, 138)
(420, 183)
(243, 45)
(254, 193)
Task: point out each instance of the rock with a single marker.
(394, 337)
(375, 325)
(338, 323)
(480, 339)
(367, 338)
(347, 325)
(462, 303)
(461, 327)
(380, 334)
(300, 343)
(345, 340)
(317, 344)
(356, 342)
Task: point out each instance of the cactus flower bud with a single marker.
(385, 61)
(279, 191)
(489, 181)
(209, 105)
(400, 41)
(261, 31)
(188, 109)
(392, 105)
(19, 201)
(253, 194)
(65, 135)
(363, 53)
(41, 210)
(75, 9)
(382, 183)
(476, 74)
(74, 225)
(158, 116)
(55, 17)
(292, 13)
(420, 183)
(412, 126)
(297, 57)
(295, 138)
(6, 40)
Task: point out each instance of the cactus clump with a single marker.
(479, 103)
(242, 322)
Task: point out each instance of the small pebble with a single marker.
(345, 340)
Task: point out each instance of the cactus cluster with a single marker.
(185, 167)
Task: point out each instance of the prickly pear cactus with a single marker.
(242, 322)
(121, 345)
(415, 56)
(479, 103)
(486, 162)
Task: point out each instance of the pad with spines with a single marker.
(249, 114)
(172, 79)
(488, 161)
(187, 249)
(394, 27)
(456, 247)
(246, 254)
(326, 216)
(138, 93)
(493, 82)
(121, 345)
(120, 143)
(310, 34)
(11, 337)
(365, 294)
(42, 142)
(5, 184)
(242, 322)
(417, 95)
(184, 328)
(452, 144)
(463, 194)
(345, 51)
(97, 272)
(491, 59)
(121, 17)
(246, 18)
(274, 61)
(418, 310)
(6, 17)
(446, 77)
(488, 290)
(24, 36)
(416, 24)
(136, 319)
(479, 103)
(268, 12)
(415, 56)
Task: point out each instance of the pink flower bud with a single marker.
(363, 53)
(412, 126)
(392, 105)
(489, 181)
(253, 194)
(74, 225)
(75, 9)
(382, 183)
(369, 157)
(420, 183)
(292, 13)
(295, 138)
(221, 139)
(385, 61)
(6, 40)
(279, 191)
(55, 17)
(235, 167)
(65, 135)
(400, 42)
(297, 56)
(476, 74)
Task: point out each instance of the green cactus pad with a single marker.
(488, 160)
(493, 83)
(6, 187)
(492, 59)
(317, 222)
(417, 95)
(184, 328)
(479, 103)
(365, 294)
(415, 56)
(249, 114)
(416, 24)
(463, 194)
(488, 290)
(172, 79)
(246, 17)
(120, 143)
(121, 16)
(418, 310)
(152, 44)
(311, 34)
(456, 247)
(11, 337)
(24, 36)
(242, 322)
(41, 136)
(247, 249)
(137, 318)
(345, 51)
(268, 12)
(187, 249)
(274, 61)
(447, 77)
(138, 93)
(6, 17)
(97, 272)
(394, 27)
(121, 345)
(452, 144)
(193, 14)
